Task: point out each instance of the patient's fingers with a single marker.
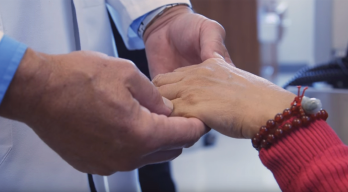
(183, 108)
(186, 68)
(168, 78)
(179, 110)
(171, 91)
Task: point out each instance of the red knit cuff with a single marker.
(289, 156)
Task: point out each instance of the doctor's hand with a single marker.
(99, 113)
(181, 38)
(232, 101)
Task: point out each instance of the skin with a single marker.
(100, 114)
(230, 100)
(93, 109)
(181, 38)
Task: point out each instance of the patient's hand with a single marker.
(230, 100)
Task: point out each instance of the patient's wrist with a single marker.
(300, 114)
(274, 106)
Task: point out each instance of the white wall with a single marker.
(340, 24)
(317, 28)
(296, 46)
(323, 31)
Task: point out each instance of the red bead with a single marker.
(286, 113)
(278, 133)
(313, 117)
(318, 115)
(255, 142)
(296, 123)
(278, 118)
(305, 120)
(264, 144)
(270, 124)
(258, 136)
(270, 138)
(256, 139)
(294, 110)
(287, 128)
(263, 131)
(324, 115)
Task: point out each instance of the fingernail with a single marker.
(168, 103)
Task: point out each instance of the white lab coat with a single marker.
(56, 27)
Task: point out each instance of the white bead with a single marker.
(311, 105)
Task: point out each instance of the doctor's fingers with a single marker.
(168, 78)
(147, 94)
(169, 133)
(174, 90)
(178, 74)
(212, 41)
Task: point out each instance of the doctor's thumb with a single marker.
(212, 42)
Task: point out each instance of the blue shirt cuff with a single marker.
(11, 54)
(136, 24)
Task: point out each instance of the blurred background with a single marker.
(289, 42)
(274, 39)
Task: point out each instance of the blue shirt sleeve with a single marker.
(11, 54)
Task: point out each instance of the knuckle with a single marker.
(192, 95)
(157, 80)
(212, 24)
(218, 26)
(190, 98)
(213, 62)
(129, 63)
(129, 71)
(205, 70)
(129, 68)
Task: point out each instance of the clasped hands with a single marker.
(101, 115)
(230, 100)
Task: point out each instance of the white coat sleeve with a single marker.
(124, 12)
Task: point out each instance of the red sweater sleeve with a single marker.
(309, 159)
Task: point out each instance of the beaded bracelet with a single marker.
(303, 112)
